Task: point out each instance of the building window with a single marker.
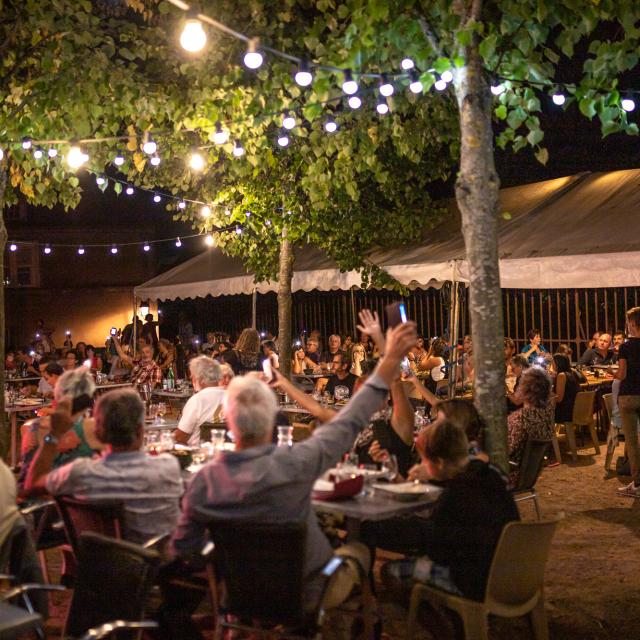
(22, 267)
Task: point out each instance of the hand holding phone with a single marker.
(396, 313)
(113, 331)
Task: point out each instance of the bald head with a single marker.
(604, 342)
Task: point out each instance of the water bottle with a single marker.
(171, 379)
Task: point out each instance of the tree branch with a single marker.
(431, 37)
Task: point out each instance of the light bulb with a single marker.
(196, 162)
(253, 58)
(178, 242)
(447, 76)
(157, 198)
(355, 102)
(100, 181)
(209, 241)
(52, 152)
(385, 88)
(38, 153)
(407, 64)
(47, 249)
(227, 212)
(76, 157)
(382, 108)
(129, 190)
(81, 251)
(155, 160)
(1, 154)
(628, 104)
(220, 136)
(349, 86)
(239, 230)
(114, 250)
(238, 150)
(149, 146)
(118, 160)
(182, 204)
(193, 36)
(440, 85)
(146, 247)
(416, 85)
(303, 76)
(497, 89)
(205, 212)
(289, 121)
(13, 247)
(26, 143)
(558, 99)
(283, 140)
(330, 126)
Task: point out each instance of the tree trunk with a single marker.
(4, 431)
(285, 275)
(477, 190)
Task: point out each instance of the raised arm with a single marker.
(402, 417)
(371, 326)
(125, 357)
(303, 399)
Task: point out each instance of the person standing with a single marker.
(629, 398)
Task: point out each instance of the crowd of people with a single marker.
(361, 403)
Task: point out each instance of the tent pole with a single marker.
(453, 332)
(135, 325)
(254, 305)
(354, 320)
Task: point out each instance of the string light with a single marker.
(114, 249)
(81, 250)
(1, 154)
(407, 64)
(330, 126)
(238, 150)
(157, 198)
(52, 152)
(129, 190)
(447, 76)
(205, 212)
(220, 136)
(196, 162)
(440, 84)
(416, 85)
(182, 204)
(558, 97)
(149, 146)
(13, 247)
(288, 121)
(38, 153)
(628, 103)
(349, 85)
(118, 160)
(26, 143)
(146, 247)
(193, 36)
(253, 58)
(382, 108)
(497, 89)
(209, 241)
(355, 102)
(178, 243)
(47, 249)
(76, 157)
(385, 88)
(239, 230)
(100, 180)
(155, 160)
(303, 76)
(283, 139)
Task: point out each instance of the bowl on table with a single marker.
(339, 490)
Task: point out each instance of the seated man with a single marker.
(264, 483)
(204, 404)
(335, 344)
(600, 354)
(341, 376)
(457, 540)
(149, 487)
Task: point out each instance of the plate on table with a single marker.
(405, 491)
(29, 402)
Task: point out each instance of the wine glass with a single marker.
(161, 411)
(166, 440)
(390, 467)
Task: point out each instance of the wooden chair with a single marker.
(613, 433)
(514, 587)
(530, 469)
(582, 417)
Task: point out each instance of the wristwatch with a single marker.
(50, 439)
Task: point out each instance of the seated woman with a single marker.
(535, 419)
(566, 388)
(519, 364)
(456, 541)
(433, 363)
(96, 360)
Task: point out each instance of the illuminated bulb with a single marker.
(440, 85)
(114, 250)
(100, 181)
(355, 102)
(182, 204)
(193, 36)
(407, 64)
(47, 249)
(76, 157)
(330, 126)
(385, 88)
(227, 212)
(497, 89)
(416, 85)
(447, 76)
(196, 162)
(178, 242)
(209, 241)
(253, 58)
(303, 76)
(1, 154)
(155, 160)
(239, 230)
(38, 153)
(52, 152)
(205, 212)
(558, 99)
(118, 160)
(26, 143)
(283, 140)
(13, 247)
(80, 251)
(382, 108)
(129, 190)
(628, 104)
(220, 136)
(349, 86)
(150, 146)
(157, 198)
(289, 121)
(146, 247)
(238, 150)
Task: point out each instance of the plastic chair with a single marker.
(514, 587)
(582, 417)
(530, 469)
(613, 433)
(262, 569)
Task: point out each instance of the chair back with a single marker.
(101, 517)
(583, 408)
(262, 566)
(531, 465)
(608, 403)
(113, 581)
(517, 570)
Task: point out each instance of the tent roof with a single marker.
(577, 231)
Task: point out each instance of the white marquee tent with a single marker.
(581, 231)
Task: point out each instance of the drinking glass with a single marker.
(217, 438)
(151, 440)
(152, 412)
(198, 456)
(341, 393)
(390, 467)
(285, 436)
(161, 411)
(166, 440)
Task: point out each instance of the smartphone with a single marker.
(396, 313)
(266, 368)
(113, 331)
(405, 367)
(80, 403)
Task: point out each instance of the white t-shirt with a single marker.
(200, 408)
